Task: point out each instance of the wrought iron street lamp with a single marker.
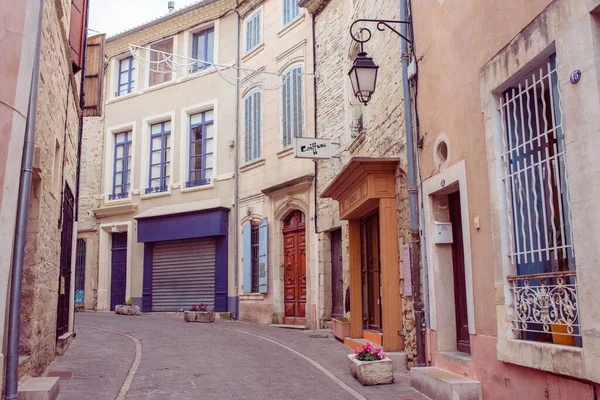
(363, 77)
(363, 74)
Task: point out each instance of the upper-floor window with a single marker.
(122, 166)
(291, 11)
(203, 49)
(160, 71)
(253, 39)
(539, 216)
(201, 162)
(126, 76)
(79, 9)
(253, 126)
(160, 157)
(292, 105)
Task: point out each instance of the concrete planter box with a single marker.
(371, 373)
(127, 310)
(340, 329)
(199, 316)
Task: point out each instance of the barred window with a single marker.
(292, 105)
(253, 126)
(535, 174)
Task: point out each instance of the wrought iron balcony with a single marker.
(118, 196)
(201, 182)
(546, 304)
(157, 189)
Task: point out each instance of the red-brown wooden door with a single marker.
(294, 279)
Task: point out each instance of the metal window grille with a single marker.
(121, 166)
(255, 244)
(160, 157)
(125, 81)
(253, 39)
(253, 126)
(201, 151)
(292, 105)
(80, 271)
(533, 156)
(291, 11)
(203, 49)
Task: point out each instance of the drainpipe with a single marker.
(12, 354)
(412, 193)
(236, 183)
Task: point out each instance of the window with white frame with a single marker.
(160, 157)
(539, 216)
(253, 28)
(292, 105)
(201, 152)
(203, 49)
(253, 126)
(121, 166)
(291, 11)
(126, 78)
(160, 69)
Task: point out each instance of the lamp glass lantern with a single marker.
(363, 76)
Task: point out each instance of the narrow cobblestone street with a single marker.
(222, 360)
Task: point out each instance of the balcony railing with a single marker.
(546, 304)
(118, 196)
(156, 189)
(201, 182)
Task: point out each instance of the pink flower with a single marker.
(368, 347)
(377, 350)
(381, 356)
(357, 351)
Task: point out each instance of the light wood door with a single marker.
(337, 278)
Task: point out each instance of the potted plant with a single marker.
(127, 308)
(340, 328)
(370, 366)
(199, 313)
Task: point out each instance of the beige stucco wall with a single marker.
(175, 101)
(381, 135)
(460, 71)
(282, 48)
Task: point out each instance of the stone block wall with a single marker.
(376, 130)
(55, 166)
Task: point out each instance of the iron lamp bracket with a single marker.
(363, 35)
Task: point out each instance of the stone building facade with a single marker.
(46, 312)
(508, 110)
(373, 132)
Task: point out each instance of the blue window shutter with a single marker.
(263, 257)
(247, 257)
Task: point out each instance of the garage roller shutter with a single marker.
(183, 273)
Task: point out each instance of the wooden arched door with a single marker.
(294, 278)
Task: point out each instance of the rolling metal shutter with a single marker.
(183, 273)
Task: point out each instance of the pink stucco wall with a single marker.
(501, 380)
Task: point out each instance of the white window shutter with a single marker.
(247, 257)
(263, 257)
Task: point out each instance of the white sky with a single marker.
(114, 16)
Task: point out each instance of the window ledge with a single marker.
(116, 202)
(457, 356)
(253, 52)
(252, 296)
(564, 360)
(291, 25)
(197, 188)
(286, 152)
(116, 99)
(155, 195)
(253, 164)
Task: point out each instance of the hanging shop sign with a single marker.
(312, 148)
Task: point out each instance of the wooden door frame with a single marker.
(364, 185)
(300, 227)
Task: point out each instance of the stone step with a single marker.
(24, 369)
(39, 389)
(287, 326)
(440, 384)
(224, 315)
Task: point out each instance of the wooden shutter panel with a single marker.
(247, 257)
(76, 32)
(263, 257)
(94, 76)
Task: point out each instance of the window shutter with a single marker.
(257, 30)
(263, 257)
(76, 32)
(257, 125)
(247, 257)
(247, 129)
(94, 76)
(298, 103)
(284, 110)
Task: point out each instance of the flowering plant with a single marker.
(199, 307)
(369, 353)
